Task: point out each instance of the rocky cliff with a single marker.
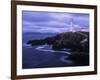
(77, 41)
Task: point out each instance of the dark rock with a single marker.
(67, 40)
(81, 58)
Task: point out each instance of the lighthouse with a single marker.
(72, 25)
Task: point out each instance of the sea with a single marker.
(43, 56)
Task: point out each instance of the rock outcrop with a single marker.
(77, 41)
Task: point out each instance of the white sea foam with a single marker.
(43, 48)
(64, 59)
(27, 45)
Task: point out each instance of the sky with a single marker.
(53, 22)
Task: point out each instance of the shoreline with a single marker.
(40, 48)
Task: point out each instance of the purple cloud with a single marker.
(52, 22)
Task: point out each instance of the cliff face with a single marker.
(77, 41)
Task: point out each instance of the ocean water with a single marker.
(35, 58)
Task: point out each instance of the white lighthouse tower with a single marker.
(72, 25)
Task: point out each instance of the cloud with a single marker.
(52, 22)
(33, 16)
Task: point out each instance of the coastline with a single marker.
(43, 48)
